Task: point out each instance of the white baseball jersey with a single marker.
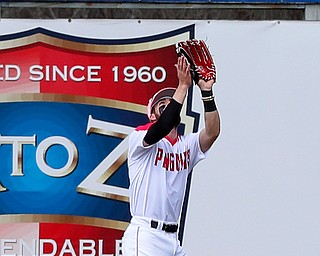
(158, 174)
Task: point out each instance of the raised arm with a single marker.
(167, 120)
(211, 131)
(185, 80)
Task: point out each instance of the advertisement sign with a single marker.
(67, 105)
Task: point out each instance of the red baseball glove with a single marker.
(198, 55)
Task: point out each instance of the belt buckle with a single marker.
(170, 228)
(154, 224)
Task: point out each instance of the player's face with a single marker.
(160, 106)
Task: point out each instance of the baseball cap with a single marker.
(165, 93)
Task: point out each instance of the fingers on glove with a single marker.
(208, 71)
(183, 48)
(198, 55)
(207, 58)
(203, 62)
(194, 49)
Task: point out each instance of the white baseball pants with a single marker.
(141, 240)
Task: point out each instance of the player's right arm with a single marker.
(169, 116)
(185, 79)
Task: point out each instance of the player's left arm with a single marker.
(211, 131)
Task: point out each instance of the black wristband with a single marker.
(206, 94)
(208, 101)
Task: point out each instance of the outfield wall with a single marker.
(63, 102)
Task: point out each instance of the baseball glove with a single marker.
(198, 55)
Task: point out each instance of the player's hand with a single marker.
(183, 72)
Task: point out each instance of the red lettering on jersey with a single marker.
(188, 157)
(186, 161)
(159, 156)
(179, 162)
(172, 161)
(166, 161)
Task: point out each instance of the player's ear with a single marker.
(152, 117)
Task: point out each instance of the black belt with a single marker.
(170, 228)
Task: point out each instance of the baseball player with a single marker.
(159, 161)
